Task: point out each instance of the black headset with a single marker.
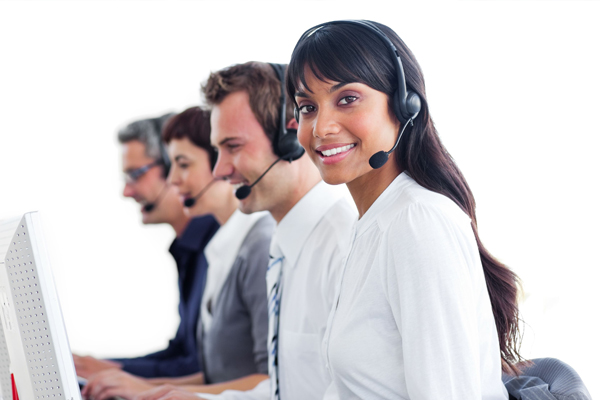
(407, 104)
(285, 142)
(158, 123)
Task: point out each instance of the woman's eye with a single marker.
(347, 100)
(183, 166)
(307, 109)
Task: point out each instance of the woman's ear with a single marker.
(292, 124)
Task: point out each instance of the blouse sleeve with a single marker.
(430, 260)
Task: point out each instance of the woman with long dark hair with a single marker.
(423, 310)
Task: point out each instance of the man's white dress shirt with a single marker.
(313, 237)
(413, 318)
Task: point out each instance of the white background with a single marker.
(513, 88)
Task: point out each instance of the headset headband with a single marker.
(285, 143)
(407, 104)
(157, 124)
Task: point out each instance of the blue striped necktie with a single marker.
(274, 299)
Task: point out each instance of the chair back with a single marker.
(546, 379)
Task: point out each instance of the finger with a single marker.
(179, 394)
(169, 395)
(93, 381)
(89, 386)
(107, 394)
(161, 391)
(152, 394)
(84, 391)
(96, 387)
(149, 395)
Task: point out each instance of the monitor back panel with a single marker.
(38, 348)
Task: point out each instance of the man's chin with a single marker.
(247, 206)
(148, 219)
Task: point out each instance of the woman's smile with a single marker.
(333, 153)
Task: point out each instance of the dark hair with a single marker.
(194, 124)
(260, 81)
(350, 53)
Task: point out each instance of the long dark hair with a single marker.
(351, 53)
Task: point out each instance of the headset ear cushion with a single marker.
(413, 104)
(164, 160)
(288, 146)
(297, 114)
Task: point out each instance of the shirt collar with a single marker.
(293, 230)
(223, 247)
(383, 202)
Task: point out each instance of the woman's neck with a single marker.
(367, 188)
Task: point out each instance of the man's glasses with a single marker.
(132, 176)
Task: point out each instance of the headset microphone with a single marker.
(151, 206)
(379, 159)
(192, 200)
(242, 192)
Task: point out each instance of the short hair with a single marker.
(147, 131)
(260, 81)
(194, 124)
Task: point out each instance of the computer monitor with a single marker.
(35, 356)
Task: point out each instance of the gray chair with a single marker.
(546, 379)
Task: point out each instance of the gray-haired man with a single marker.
(145, 166)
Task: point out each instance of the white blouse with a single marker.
(413, 318)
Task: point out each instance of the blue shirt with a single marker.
(181, 356)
